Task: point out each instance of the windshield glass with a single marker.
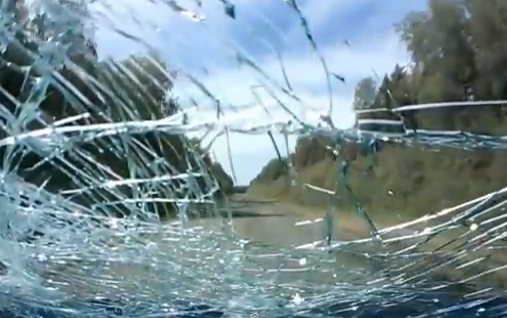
(241, 158)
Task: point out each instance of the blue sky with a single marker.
(206, 50)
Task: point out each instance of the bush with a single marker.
(109, 92)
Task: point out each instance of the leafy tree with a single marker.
(273, 170)
(138, 87)
(439, 41)
(459, 52)
(487, 20)
(454, 60)
(364, 93)
(108, 91)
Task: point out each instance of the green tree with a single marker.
(138, 87)
(439, 41)
(459, 52)
(487, 21)
(364, 93)
(108, 91)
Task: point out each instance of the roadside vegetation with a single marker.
(459, 53)
(107, 91)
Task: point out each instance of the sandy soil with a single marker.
(418, 261)
(464, 254)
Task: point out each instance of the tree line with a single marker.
(458, 53)
(42, 86)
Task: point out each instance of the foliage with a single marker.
(364, 94)
(273, 170)
(459, 52)
(109, 91)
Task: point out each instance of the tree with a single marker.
(139, 87)
(108, 91)
(364, 93)
(401, 90)
(487, 21)
(439, 41)
(459, 52)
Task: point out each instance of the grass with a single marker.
(405, 181)
(451, 256)
(404, 184)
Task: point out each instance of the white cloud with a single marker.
(233, 86)
(250, 153)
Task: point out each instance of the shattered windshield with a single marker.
(241, 158)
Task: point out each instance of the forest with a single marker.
(458, 51)
(51, 76)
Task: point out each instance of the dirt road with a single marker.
(281, 237)
(459, 254)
